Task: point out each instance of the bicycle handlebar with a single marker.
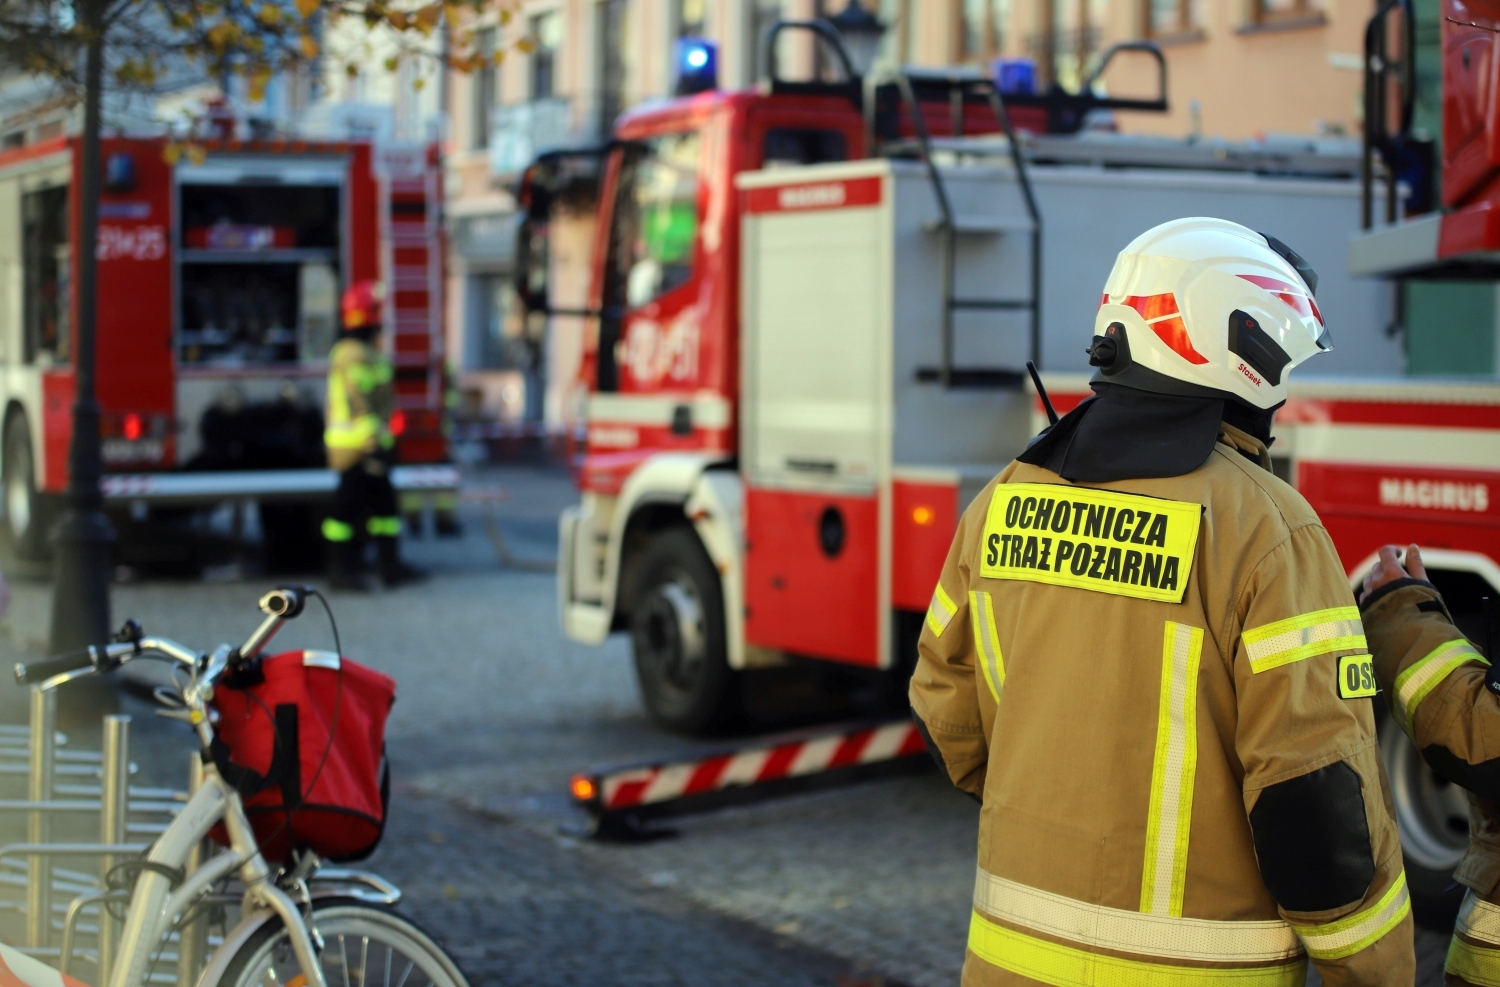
(29, 672)
(281, 604)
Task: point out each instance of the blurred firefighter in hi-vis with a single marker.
(361, 448)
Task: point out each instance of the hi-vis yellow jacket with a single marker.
(1141, 680)
(1434, 681)
(359, 403)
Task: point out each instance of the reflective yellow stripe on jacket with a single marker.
(1252, 954)
(1318, 633)
(987, 642)
(940, 611)
(1350, 934)
(1169, 819)
(1474, 952)
(1426, 674)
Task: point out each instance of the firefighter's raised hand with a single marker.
(1389, 568)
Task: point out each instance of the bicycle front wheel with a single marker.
(362, 945)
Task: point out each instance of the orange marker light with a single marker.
(132, 427)
(583, 788)
(922, 515)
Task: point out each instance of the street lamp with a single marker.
(860, 31)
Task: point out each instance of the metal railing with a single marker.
(66, 905)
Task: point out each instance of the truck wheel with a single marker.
(23, 520)
(1433, 816)
(677, 629)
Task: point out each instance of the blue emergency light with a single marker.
(697, 62)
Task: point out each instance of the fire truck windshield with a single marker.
(656, 216)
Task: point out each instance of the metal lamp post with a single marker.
(83, 538)
(860, 32)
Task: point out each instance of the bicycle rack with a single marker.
(66, 783)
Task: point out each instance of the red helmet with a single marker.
(362, 304)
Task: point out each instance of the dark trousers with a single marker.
(364, 505)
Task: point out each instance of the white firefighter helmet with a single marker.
(1206, 307)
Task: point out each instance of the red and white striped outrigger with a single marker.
(767, 766)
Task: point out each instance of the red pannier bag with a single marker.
(271, 744)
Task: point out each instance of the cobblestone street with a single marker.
(862, 885)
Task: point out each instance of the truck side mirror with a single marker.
(531, 270)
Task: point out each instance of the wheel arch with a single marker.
(680, 489)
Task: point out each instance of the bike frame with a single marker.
(154, 905)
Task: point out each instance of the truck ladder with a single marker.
(946, 373)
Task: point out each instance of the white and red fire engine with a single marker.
(804, 359)
(218, 297)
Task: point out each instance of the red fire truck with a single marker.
(219, 285)
(804, 360)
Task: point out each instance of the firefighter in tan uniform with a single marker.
(1439, 688)
(1134, 660)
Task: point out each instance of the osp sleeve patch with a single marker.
(1099, 540)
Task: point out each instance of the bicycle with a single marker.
(297, 927)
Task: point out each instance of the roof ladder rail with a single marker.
(946, 372)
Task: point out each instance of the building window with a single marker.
(1166, 18)
(1068, 40)
(1266, 11)
(495, 338)
(982, 27)
(546, 31)
(485, 82)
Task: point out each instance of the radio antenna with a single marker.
(1041, 392)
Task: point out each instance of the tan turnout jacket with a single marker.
(1142, 682)
(1434, 681)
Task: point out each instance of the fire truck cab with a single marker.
(218, 299)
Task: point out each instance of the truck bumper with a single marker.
(586, 623)
(189, 489)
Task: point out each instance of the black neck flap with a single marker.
(1127, 434)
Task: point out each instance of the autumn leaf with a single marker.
(397, 19)
(258, 82)
(307, 8)
(196, 153)
(418, 84)
(351, 70)
(172, 153)
(428, 16)
(269, 15)
(223, 34)
(309, 47)
(392, 63)
(526, 45)
(505, 16)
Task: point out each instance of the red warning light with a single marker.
(398, 422)
(132, 427)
